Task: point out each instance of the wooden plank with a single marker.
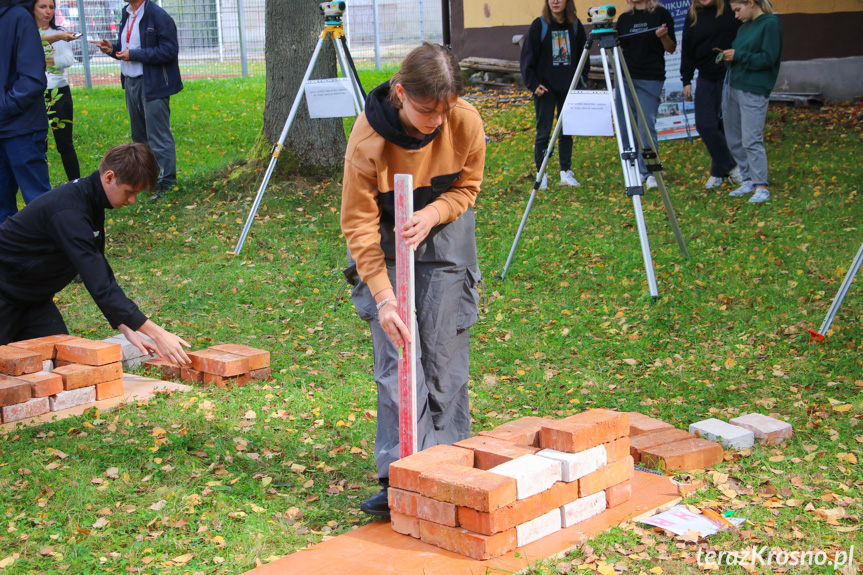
(404, 200)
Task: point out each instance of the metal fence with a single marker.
(222, 38)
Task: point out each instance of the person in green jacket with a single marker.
(754, 59)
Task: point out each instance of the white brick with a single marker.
(766, 429)
(538, 528)
(48, 365)
(132, 356)
(575, 465)
(582, 509)
(26, 410)
(730, 436)
(73, 398)
(532, 474)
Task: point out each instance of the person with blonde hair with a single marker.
(416, 124)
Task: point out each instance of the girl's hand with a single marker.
(728, 55)
(662, 32)
(418, 227)
(392, 324)
(540, 90)
(687, 92)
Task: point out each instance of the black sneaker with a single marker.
(157, 196)
(378, 504)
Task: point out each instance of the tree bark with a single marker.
(293, 28)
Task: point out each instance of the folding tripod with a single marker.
(818, 336)
(334, 30)
(608, 41)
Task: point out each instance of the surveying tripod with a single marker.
(609, 49)
(818, 336)
(333, 29)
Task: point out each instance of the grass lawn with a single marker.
(217, 482)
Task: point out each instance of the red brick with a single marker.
(109, 389)
(415, 505)
(467, 487)
(464, 542)
(225, 382)
(404, 473)
(683, 455)
(76, 375)
(604, 477)
(19, 361)
(72, 398)
(108, 372)
(401, 501)
(25, 410)
(89, 352)
(169, 370)
(617, 449)
(584, 430)
(405, 524)
(258, 358)
(190, 375)
(219, 362)
(489, 523)
(489, 452)
(639, 443)
(260, 374)
(640, 424)
(13, 390)
(617, 494)
(46, 346)
(43, 383)
(523, 431)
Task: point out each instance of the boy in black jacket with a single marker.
(61, 234)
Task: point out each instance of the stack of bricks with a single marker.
(655, 443)
(56, 372)
(224, 365)
(505, 488)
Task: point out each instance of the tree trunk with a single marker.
(292, 31)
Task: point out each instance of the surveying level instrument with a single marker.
(626, 134)
(333, 29)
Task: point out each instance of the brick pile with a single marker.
(505, 488)
(56, 372)
(655, 443)
(224, 365)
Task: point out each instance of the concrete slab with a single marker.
(135, 388)
(730, 436)
(375, 549)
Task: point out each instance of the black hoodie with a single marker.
(22, 72)
(697, 51)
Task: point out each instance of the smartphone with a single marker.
(76, 35)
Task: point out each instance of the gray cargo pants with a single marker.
(744, 132)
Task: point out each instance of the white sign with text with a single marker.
(587, 113)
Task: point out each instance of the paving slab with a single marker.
(375, 549)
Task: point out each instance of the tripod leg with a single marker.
(277, 149)
(349, 73)
(843, 290)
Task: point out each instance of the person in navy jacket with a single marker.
(147, 48)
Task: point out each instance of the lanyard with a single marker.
(130, 26)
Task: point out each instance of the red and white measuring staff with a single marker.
(404, 199)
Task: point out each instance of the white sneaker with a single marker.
(714, 182)
(734, 176)
(544, 184)
(760, 195)
(650, 182)
(567, 178)
(746, 188)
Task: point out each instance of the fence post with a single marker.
(377, 32)
(241, 22)
(219, 30)
(85, 43)
(422, 22)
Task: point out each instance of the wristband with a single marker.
(382, 303)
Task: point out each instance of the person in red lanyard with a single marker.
(147, 48)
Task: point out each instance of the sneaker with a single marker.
(746, 188)
(544, 184)
(734, 177)
(378, 504)
(567, 178)
(760, 195)
(714, 182)
(650, 182)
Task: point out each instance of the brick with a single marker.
(582, 509)
(617, 494)
(404, 473)
(48, 365)
(13, 391)
(25, 410)
(415, 505)
(489, 523)
(536, 529)
(575, 465)
(401, 501)
(730, 436)
(467, 487)
(89, 352)
(464, 542)
(639, 443)
(190, 375)
(489, 452)
(584, 430)
(109, 389)
(132, 356)
(262, 374)
(617, 449)
(72, 398)
(523, 431)
(604, 477)
(683, 455)
(258, 358)
(45, 346)
(76, 375)
(532, 474)
(219, 362)
(97, 373)
(640, 424)
(225, 382)
(169, 370)
(405, 524)
(19, 361)
(43, 384)
(765, 428)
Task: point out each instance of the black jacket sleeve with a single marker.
(687, 53)
(530, 54)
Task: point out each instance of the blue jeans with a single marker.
(22, 165)
(708, 109)
(648, 93)
(545, 106)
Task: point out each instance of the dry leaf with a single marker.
(101, 522)
(630, 361)
(112, 473)
(157, 506)
(250, 415)
(842, 408)
(183, 559)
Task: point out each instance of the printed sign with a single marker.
(330, 98)
(587, 113)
